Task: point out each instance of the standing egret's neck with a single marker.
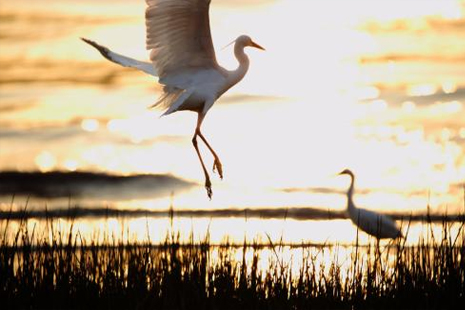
(350, 192)
(236, 75)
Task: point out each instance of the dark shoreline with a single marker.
(295, 213)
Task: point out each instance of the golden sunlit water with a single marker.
(374, 86)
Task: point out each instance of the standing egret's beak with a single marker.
(253, 44)
(345, 171)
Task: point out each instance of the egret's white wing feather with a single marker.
(190, 89)
(124, 61)
(178, 35)
(194, 77)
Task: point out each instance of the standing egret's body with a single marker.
(182, 55)
(375, 224)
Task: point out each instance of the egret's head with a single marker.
(346, 171)
(247, 41)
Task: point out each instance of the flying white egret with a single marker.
(183, 58)
(375, 224)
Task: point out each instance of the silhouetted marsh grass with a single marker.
(56, 271)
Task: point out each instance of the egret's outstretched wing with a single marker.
(178, 35)
(147, 67)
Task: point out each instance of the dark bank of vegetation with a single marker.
(53, 271)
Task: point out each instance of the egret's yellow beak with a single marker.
(253, 44)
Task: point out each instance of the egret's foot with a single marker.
(208, 187)
(217, 166)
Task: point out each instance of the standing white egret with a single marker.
(375, 224)
(182, 55)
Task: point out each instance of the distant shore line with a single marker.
(295, 213)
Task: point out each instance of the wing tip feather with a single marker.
(102, 49)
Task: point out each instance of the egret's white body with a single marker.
(375, 224)
(183, 57)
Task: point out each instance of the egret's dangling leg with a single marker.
(217, 163)
(208, 184)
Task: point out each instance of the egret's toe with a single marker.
(217, 166)
(208, 187)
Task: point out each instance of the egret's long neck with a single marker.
(350, 193)
(236, 75)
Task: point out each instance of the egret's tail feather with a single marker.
(166, 99)
(172, 100)
(176, 104)
(124, 61)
